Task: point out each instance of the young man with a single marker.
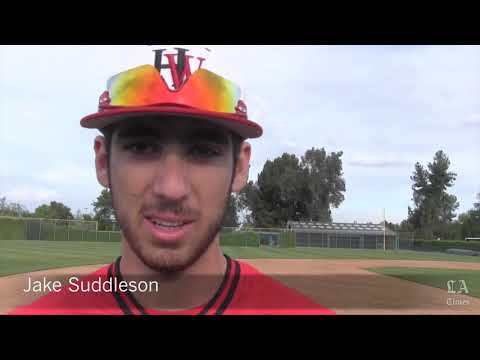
(171, 158)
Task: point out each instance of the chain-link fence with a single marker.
(405, 240)
(344, 240)
(12, 228)
(281, 237)
(256, 237)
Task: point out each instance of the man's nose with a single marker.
(171, 180)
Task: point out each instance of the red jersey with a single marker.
(243, 291)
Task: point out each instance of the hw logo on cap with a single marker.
(179, 84)
(180, 70)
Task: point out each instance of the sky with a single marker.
(385, 107)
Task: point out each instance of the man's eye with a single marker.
(141, 148)
(204, 151)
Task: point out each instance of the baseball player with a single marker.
(171, 153)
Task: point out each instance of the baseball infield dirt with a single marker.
(342, 285)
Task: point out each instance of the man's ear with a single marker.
(242, 168)
(101, 160)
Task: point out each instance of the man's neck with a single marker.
(185, 289)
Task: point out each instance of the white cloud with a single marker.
(474, 120)
(29, 194)
(378, 163)
(387, 160)
(69, 175)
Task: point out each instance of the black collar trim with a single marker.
(231, 291)
(121, 304)
(114, 271)
(221, 288)
(128, 293)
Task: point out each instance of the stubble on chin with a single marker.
(169, 259)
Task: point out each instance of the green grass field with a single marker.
(19, 256)
(330, 253)
(435, 277)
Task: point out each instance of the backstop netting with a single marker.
(344, 241)
(281, 237)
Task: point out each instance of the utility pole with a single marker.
(384, 229)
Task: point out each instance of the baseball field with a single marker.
(349, 281)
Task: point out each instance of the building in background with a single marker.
(344, 235)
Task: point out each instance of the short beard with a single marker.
(169, 263)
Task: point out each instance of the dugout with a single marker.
(342, 235)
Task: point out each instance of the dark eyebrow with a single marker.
(140, 130)
(208, 134)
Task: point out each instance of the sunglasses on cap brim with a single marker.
(204, 94)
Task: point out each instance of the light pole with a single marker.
(384, 229)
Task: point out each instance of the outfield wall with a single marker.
(12, 229)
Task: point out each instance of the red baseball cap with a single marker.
(203, 95)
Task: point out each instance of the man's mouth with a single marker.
(166, 224)
(168, 229)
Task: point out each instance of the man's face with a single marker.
(170, 180)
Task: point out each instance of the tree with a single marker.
(3, 205)
(289, 188)
(434, 209)
(476, 206)
(55, 210)
(282, 192)
(103, 210)
(231, 212)
(440, 179)
(419, 216)
(43, 211)
(87, 217)
(249, 203)
(12, 209)
(405, 225)
(325, 182)
(470, 221)
(78, 215)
